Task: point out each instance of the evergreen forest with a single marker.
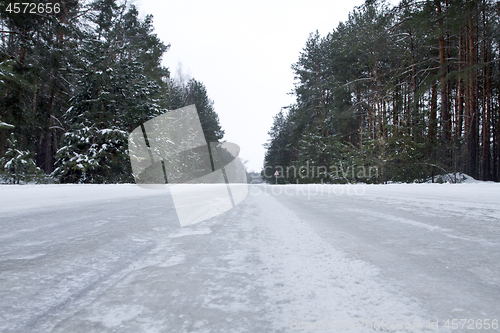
(75, 79)
(394, 94)
(399, 93)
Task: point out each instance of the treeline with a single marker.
(75, 83)
(409, 91)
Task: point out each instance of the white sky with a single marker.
(242, 51)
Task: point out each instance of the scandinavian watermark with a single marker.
(310, 171)
(309, 191)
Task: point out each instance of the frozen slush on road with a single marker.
(359, 258)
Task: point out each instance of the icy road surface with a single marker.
(112, 258)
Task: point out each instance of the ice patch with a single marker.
(401, 220)
(418, 224)
(174, 260)
(190, 232)
(115, 316)
(23, 257)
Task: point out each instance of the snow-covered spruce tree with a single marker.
(197, 95)
(194, 92)
(121, 86)
(17, 166)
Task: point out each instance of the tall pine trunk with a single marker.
(471, 142)
(445, 108)
(486, 124)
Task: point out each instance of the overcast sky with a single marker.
(242, 51)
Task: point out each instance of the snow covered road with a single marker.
(112, 258)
